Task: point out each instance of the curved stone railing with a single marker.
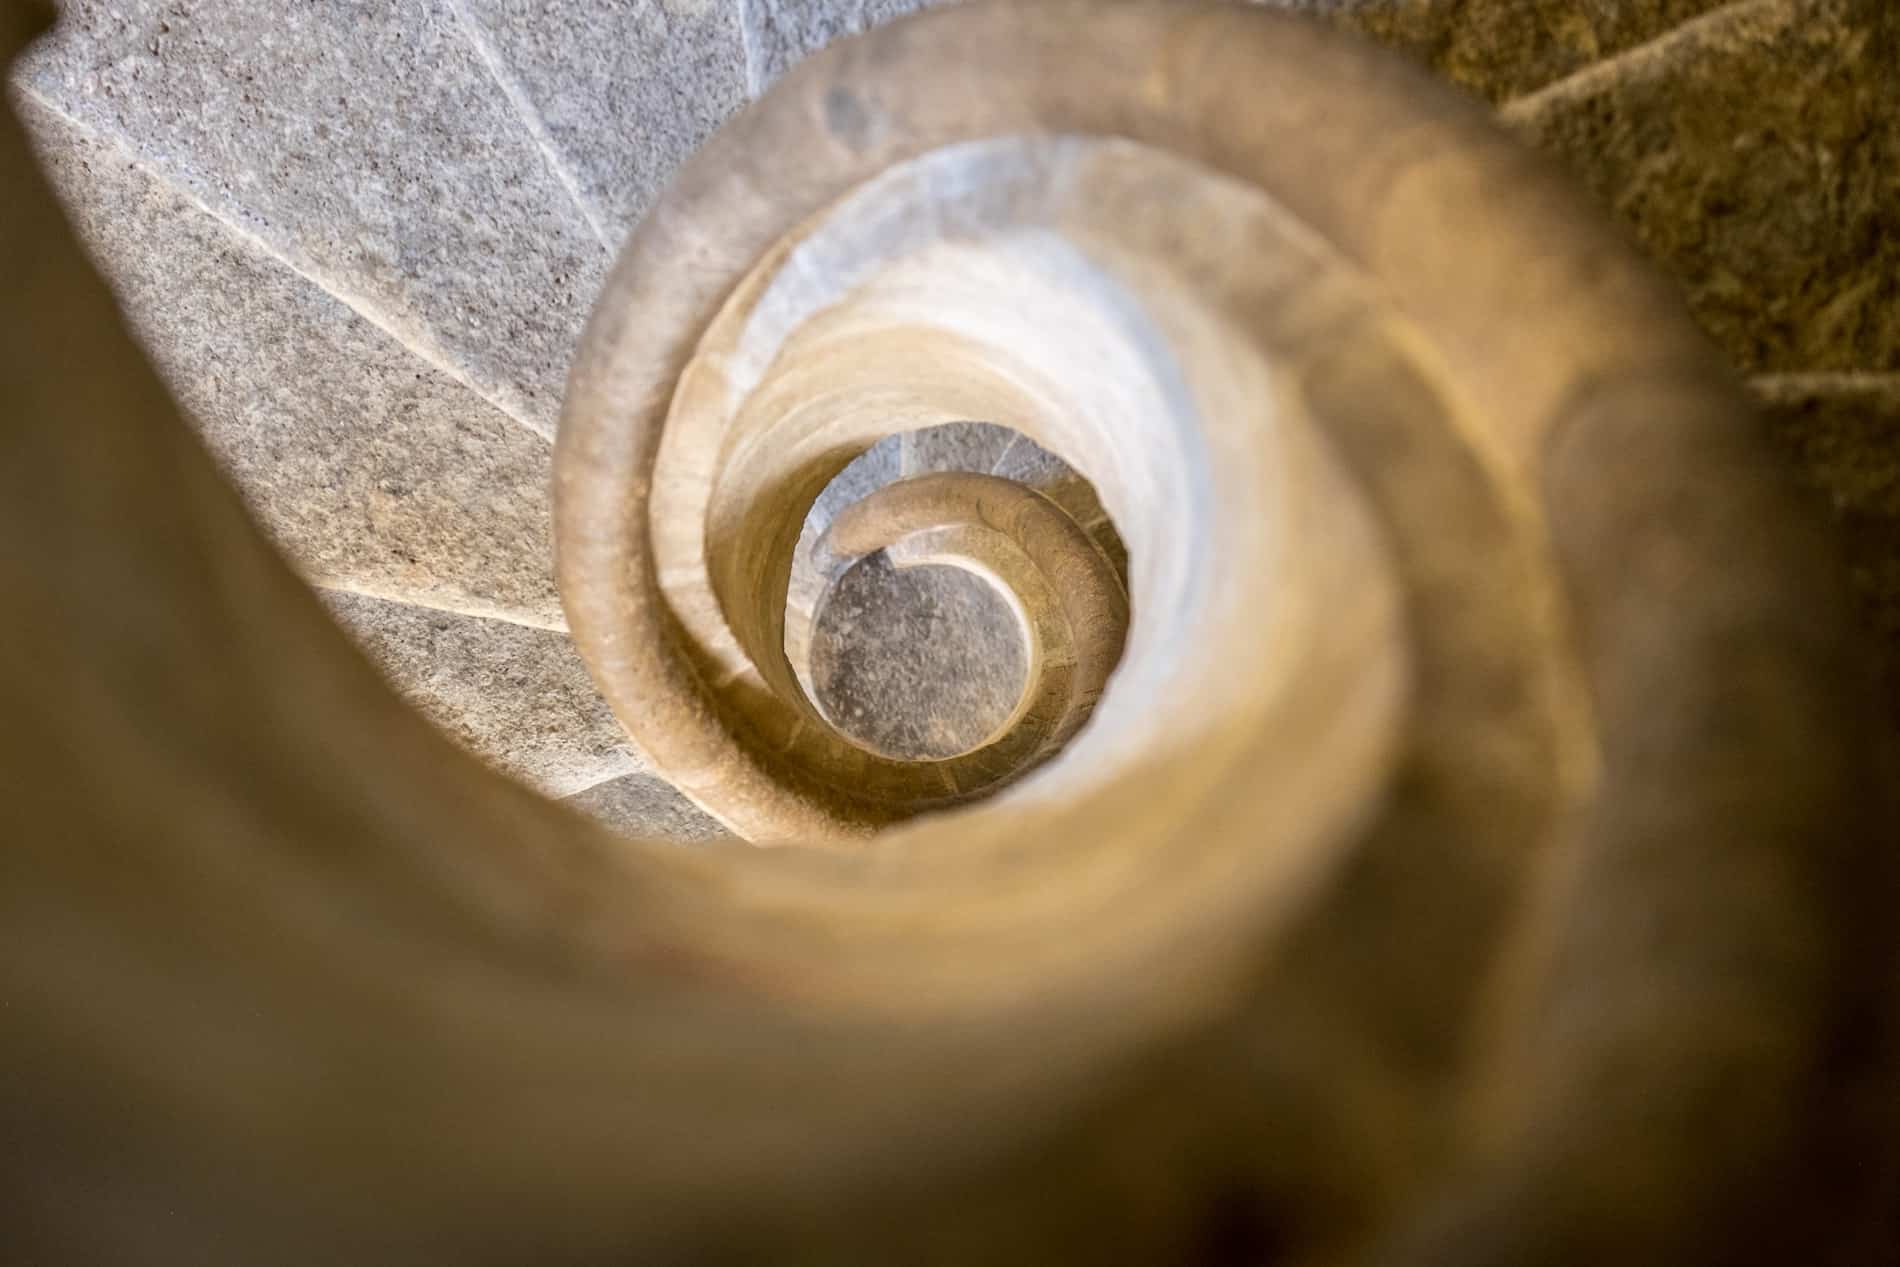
(1464, 860)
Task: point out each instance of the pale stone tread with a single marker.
(370, 147)
(374, 471)
(517, 697)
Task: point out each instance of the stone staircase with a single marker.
(361, 240)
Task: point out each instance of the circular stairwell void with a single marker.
(922, 656)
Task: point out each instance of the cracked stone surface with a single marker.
(370, 146)
(625, 92)
(1758, 160)
(519, 698)
(647, 806)
(372, 470)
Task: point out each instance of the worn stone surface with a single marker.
(517, 697)
(647, 806)
(782, 33)
(623, 92)
(1759, 162)
(372, 470)
(368, 145)
(1500, 48)
(920, 662)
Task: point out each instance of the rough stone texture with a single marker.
(372, 470)
(648, 806)
(921, 662)
(955, 446)
(782, 33)
(1500, 48)
(1757, 158)
(623, 92)
(371, 147)
(517, 697)
(862, 476)
(1841, 437)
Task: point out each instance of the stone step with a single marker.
(517, 697)
(619, 93)
(648, 807)
(1756, 155)
(373, 471)
(369, 146)
(1498, 49)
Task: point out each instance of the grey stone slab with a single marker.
(863, 475)
(648, 807)
(1758, 160)
(782, 33)
(1502, 48)
(517, 697)
(625, 91)
(368, 144)
(372, 470)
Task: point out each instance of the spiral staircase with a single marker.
(361, 247)
(1256, 668)
(367, 297)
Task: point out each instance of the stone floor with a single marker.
(361, 240)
